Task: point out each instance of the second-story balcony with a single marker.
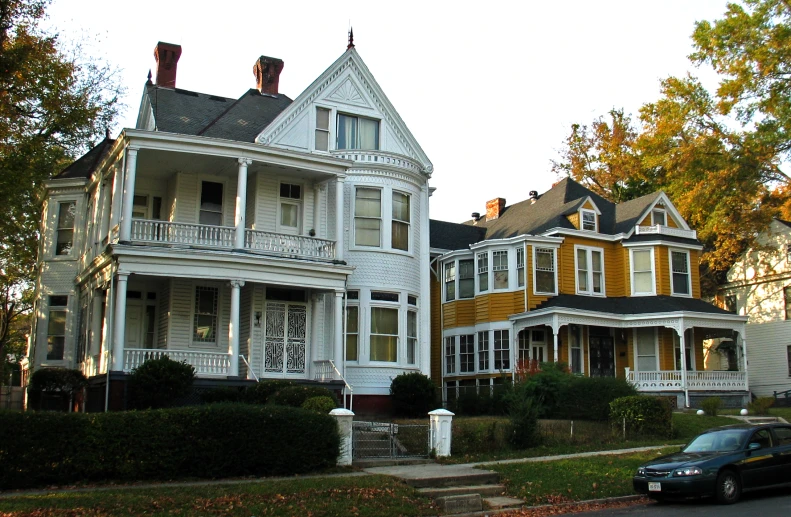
(223, 237)
(666, 230)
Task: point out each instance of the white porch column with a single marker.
(119, 322)
(129, 194)
(682, 350)
(744, 356)
(318, 217)
(339, 233)
(555, 332)
(233, 327)
(241, 202)
(338, 355)
(116, 201)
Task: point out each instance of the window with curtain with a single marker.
(367, 217)
(467, 353)
(352, 332)
(205, 319)
(646, 350)
(590, 271)
(483, 271)
(384, 334)
(322, 129)
(658, 217)
(450, 281)
(400, 223)
(56, 328)
(411, 337)
(211, 203)
(500, 269)
(483, 351)
(450, 354)
(680, 265)
(520, 267)
(642, 272)
(64, 239)
(466, 278)
(544, 270)
(357, 132)
(502, 350)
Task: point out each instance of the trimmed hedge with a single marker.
(646, 415)
(158, 383)
(321, 405)
(222, 440)
(412, 394)
(588, 398)
(295, 396)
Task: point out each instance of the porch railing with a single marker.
(667, 230)
(670, 380)
(325, 371)
(291, 245)
(205, 363)
(167, 232)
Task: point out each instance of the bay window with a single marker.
(483, 351)
(466, 278)
(367, 217)
(64, 239)
(483, 272)
(400, 223)
(520, 267)
(544, 271)
(590, 270)
(500, 269)
(384, 334)
(680, 277)
(502, 350)
(411, 337)
(352, 332)
(467, 353)
(357, 132)
(450, 281)
(450, 355)
(642, 266)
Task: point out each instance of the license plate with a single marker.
(654, 487)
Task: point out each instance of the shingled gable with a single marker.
(349, 82)
(84, 166)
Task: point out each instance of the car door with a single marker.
(782, 453)
(759, 463)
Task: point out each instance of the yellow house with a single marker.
(567, 276)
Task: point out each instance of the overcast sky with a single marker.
(489, 89)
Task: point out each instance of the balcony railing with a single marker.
(170, 233)
(667, 230)
(205, 363)
(670, 380)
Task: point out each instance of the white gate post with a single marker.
(440, 431)
(344, 418)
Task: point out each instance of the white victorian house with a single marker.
(256, 237)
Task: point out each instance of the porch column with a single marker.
(744, 356)
(115, 202)
(125, 233)
(555, 332)
(241, 202)
(339, 355)
(318, 217)
(233, 327)
(682, 349)
(339, 233)
(119, 322)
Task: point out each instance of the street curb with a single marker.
(505, 511)
(565, 456)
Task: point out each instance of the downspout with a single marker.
(524, 255)
(110, 323)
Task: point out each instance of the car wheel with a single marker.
(729, 487)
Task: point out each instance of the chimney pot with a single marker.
(167, 56)
(267, 74)
(476, 215)
(494, 208)
(533, 196)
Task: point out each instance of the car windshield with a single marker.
(719, 441)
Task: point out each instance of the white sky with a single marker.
(489, 89)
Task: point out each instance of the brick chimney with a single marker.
(494, 208)
(267, 74)
(167, 56)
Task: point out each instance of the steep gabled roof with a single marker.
(247, 116)
(454, 236)
(84, 166)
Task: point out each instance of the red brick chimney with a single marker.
(167, 56)
(494, 208)
(267, 74)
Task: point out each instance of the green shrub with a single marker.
(761, 405)
(547, 386)
(646, 415)
(412, 395)
(321, 405)
(65, 382)
(588, 398)
(229, 440)
(711, 405)
(262, 390)
(523, 411)
(295, 396)
(223, 394)
(480, 435)
(158, 383)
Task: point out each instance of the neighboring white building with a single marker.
(759, 287)
(232, 233)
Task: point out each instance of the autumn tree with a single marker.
(53, 103)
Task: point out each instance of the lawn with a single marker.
(579, 479)
(374, 496)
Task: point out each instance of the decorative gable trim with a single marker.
(349, 60)
(668, 206)
(347, 93)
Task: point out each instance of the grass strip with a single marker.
(368, 496)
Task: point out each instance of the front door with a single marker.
(285, 340)
(134, 324)
(602, 356)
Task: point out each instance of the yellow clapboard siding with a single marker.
(519, 301)
(694, 265)
(646, 221)
(436, 331)
(449, 315)
(671, 222)
(698, 343)
(574, 219)
(587, 205)
(662, 269)
(667, 358)
(465, 313)
(482, 308)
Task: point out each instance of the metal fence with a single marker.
(389, 440)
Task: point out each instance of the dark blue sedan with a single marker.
(721, 462)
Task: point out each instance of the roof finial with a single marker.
(149, 76)
(351, 39)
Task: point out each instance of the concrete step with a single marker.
(365, 463)
(456, 504)
(500, 502)
(482, 477)
(482, 490)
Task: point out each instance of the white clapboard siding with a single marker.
(767, 346)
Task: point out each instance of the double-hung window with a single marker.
(450, 355)
(658, 217)
(502, 350)
(575, 348)
(500, 269)
(483, 271)
(588, 219)
(384, 328)
(205, 318)
(450, 281)
(56, 327)
(520, 267)
(680, 278)
(352, 328)
(645, 343)
(544, 271)
(211, 194)
(290, 199)
(467, 353)
(642, 272)
(64, 239)
(357, 132)
(400, 224)
(466, 278)
(411, 337)
(590, 270)
(367, 217)
(322, 129)
(483, 351)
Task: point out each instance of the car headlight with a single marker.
(688, 471)
(641, 471)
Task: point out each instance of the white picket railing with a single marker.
(670, 380)
(325, 371)
(291, 245)
(167, 232)
(205, 363)
(667, 230)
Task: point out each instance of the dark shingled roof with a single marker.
(628, 212)
(631, 304)
(192, 113)
(786, 223)
(84, 166)
(453, 236)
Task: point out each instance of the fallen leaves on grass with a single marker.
(562, 509)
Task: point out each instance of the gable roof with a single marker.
(453, 236)
(84, 166)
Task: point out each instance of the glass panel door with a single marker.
(285, 343)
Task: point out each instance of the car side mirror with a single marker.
(754, 446)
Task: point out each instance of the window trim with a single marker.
(584, 211)
(449, 340)
(494, 269)
(459, 278)
(554, 270)
(329, 131)
(673, 292)
(194, 313)
(299, 203)
(378, 121)
(223, 208)
(478, 351)
(353, 241)
(520, 250)
(472, 356)
(412, 339)
(479, 272)
(494, 348)
(632, 272)
(654, 210)
(589, 250)
(449, 269)
(656, 350)
(73, 230)
(346, 332)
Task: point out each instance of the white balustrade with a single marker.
(290, 245)
(323, 371)
(205, 363)
(670, 380)
(667, 230)
(375, 158)
(167, 232)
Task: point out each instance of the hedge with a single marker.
(222, 440)
(643, 414)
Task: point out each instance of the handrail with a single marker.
(249, 368)
(346, 384)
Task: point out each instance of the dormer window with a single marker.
(357, 132)
(588, 218)
(658, 217)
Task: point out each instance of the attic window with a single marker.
(658, 217)
(357, 132)
(588, 218)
